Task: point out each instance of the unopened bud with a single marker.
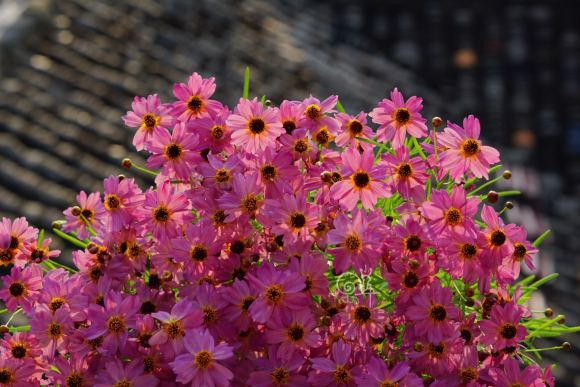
(4, 329)
(76, 211)
(507, 175)
(92, 248)
(268, 102)
(548, 312)
(56, 225)
(566, 346)
(509, 205)
(562, 320)
(121, 177)
(469, 292)
(126, 163)
(437, 122)
(492, 197)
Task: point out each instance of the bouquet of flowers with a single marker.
(281, 246)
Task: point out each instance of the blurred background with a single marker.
(70, 68)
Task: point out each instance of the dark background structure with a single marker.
(69, 70)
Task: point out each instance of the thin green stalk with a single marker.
(246, 91)
(70, 239)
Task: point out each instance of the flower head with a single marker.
(254, 128)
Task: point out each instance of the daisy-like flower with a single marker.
(219, 173)
(290, 115)
(19, 233)
(122, 196)
(244, 200)
(150, 117)
(499, 237)
(363, 320)
(21, 345)
(58, 290)
(202, 364)
(379, 375)
(15, 373)
(315, 115)
(92, 211)
(113, 321)
(21, 287)
(465, 153)
(396, 118)
(312, 267)
(437, 358)
(35, 253)
(503, 329)
(209, 300)
(453, 212)
(213, 132)
(290, 216)
(73, 371)
(408, 175)
(361, 180)
(523, 253)
(198, 250)
(357, 243)
(51, 328)
(433, 314)
(193, 98)
(293, 332)
(174, 325)
(116, 373)
(336, 371)
(240, 297)
(299, 145)
(7, 253)
(275, 171)
(277, 372)
(278, 291)
(463, 256)
(164, 212)
(513, 376)
(352, 127)
(409, 238)
(176, 152)
(407, 277)
(254, 128)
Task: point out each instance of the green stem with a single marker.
(246, 91)
(69, 238)
(541, 238)
(484, 185)
(143, 169)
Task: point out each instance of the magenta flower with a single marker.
(408, 175)
(193, 98)
(176, 152)
(21, 287)
(464, 256)
(499, 236)
(451, 213)
(408, 277)
(122, 197)
(244, 200)
(315, 115)
(150, 117)
(20, 346)
(357, 242)
(503, 329)
(433, 314)
(293, 332)
(51, 328)
(198, 250)
(201, 365)
(92, 211)
(254, 128)
(278, 291)
(164, 212)
(18, 233)
(363, 320)
(290, 216)
(352, 127)
(465, 154)
(290, 115)
(174, 325)
(523, 253)
(219, 173)
(409, 238)
(299, 145)
(312, 267)
(214, 134)
(276, 372)
(361, 180)
(17, 373)
(379, 375)
(116, 373)
(335, 371)
(240, 297)
(396, 118)
(511, 375)
(275, 172)
(73, 371)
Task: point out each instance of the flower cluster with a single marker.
(228, 270)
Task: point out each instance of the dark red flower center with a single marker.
(323, 136)
(289, 126)
(295, 332)
(341, 375)
(470, 147)
(468, 250)
(413, 242)
(161, 214)
(361, 179)
(467, 375)
(402, 116)
(352, 242)
(18, 351)
(280, 376)
(173, 151)
(437, 312)
(195, 104)
(453, 216)
(116, 324)
(404, 171)
(497, 238)
(217, 132)
(198, 253)
(410, 279)
(508, 331)
(301, 146)
(312, 111)
(355, 127)
(203, 359)
(16, 289)
(274, 293)
(520, 251)
(75, 380)
(362, 314)
(297, 220)
(149, 120)
(112, 202)
(256, 125)
(269, 172)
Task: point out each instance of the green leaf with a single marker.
(541, 238)
(246, 92)
(40, 238)
(339, 107)
(263, 100)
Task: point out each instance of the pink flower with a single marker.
(116, 373)
(240, 297)
(293, 332)
(396, 118)
(150, 117)
(275, 172)
(219, 173)
(51, 328)
(380, 375)
(408, 174)
(175, 152)
(357, 242)
(244, 200)
(315, 114)
(523, 253)
(463, 256)
(409, 238)
(499, 236)
(214, 134)
(465, 152)
(91, 209)
(312, 267)
(290, 216)
(201, 365)
(174, 325)
(278, 291)
(198, 250)
(17, 373)
(353, 127)
(19, 233)
(336, 370)
(254, 127)
(164, 212)
(21, 287)
(290, 114)
(193, 98)
(276, 372)
(511, 375)
(21, 346)
(364, 180)
(363, 320)
(433, 314)
(122, 197)
(72, 371)
(451, 213)
(503, 329)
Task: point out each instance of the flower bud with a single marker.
(509, 205)
(126, 163)
(548, 312)
(76, 211)
(566, 346)
(492, 197)
(469, 292)
(3, 330)
(121, 177)
(437, 122)
(56, 225)
(507, 175)
(562, 320)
